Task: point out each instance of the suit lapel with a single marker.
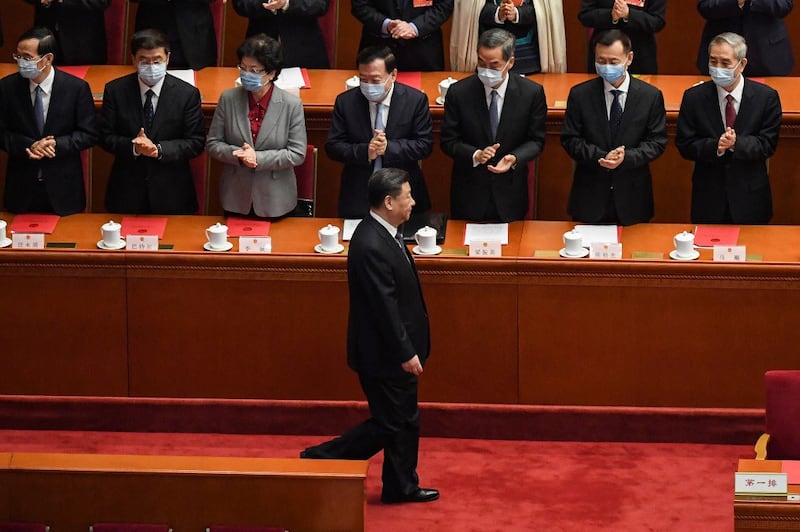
(712, 108)
(632, 102)
(482, 110)
(598, 109)
(745, 106)
(241, 111)
(24, 97)
(396, 108)
(274, 111)
(512, 93)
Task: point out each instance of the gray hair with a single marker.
(735, 41)
(495, 38)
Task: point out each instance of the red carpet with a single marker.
(490, 485)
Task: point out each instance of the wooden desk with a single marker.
(754, 516)
(671, 173)
(517, 329)
(72, 491)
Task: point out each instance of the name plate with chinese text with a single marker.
(772, 483)
(485, 248)
(141, 242)
(730, 253)
(255, 244)
(605, 250)
(27, 241)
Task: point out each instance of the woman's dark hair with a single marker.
(265, 50)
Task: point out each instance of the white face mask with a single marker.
(491, 77)
(723, 77)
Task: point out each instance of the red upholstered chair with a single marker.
(306, 175)
(128, 527)
(328, 23)
(532, 169)
(116, 29)
(23, 527)
(782, 408)
(218, 13)
(199, 166)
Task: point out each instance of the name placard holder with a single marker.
(485, 248)
(255, 244)
(730, 253)
(765, 483)
(141, 242)
(27, 241)
(605, 250)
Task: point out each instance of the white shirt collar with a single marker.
(501, 90)
(46, 84)
(389, 227)
(736, 92)
(143, 87)
(608, 87)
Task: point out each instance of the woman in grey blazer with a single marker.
(259, 132)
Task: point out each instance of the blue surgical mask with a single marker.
(28, 68)
(153, 73)
(610, 73)
(374, 92)
(251, 81)
(723, 77)
(491, 77)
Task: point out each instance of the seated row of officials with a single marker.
(494, 125)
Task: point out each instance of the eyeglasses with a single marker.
(252, 70)
(17, 57)
(146, 62)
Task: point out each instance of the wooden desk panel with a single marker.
(188, 323)
(70, 492)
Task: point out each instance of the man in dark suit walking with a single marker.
(614, 127)
(411, 28)
(153, 125)
(189, 27)
(382, 123)
(46, 118)
(79, 27)
(493, 127)
(760, 23)
(729, 128)
(388, 342)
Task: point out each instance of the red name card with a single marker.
(135, 225)
(247, 227)
(306, 79)
(715, 235)
(34, 223)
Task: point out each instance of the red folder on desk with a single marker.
(247, 227)
(34, 223)
(716, 235)
(135, 225)
(412, 79)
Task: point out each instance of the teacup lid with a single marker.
(218, 228)
(111, 224)
(685, 235)
(329, 229)
(427, 230)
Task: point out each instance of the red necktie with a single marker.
(730, 112)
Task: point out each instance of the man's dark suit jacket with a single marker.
(586, 138)
(769, 51)
(70, 119)
(424, 52)
(737, 179)
(642, 25)
(388, 321)
(187, 22)
(466, 129)
(79, 27)
(409, 134)
(297, 28)
(144, 184)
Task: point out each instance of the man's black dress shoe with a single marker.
(421, 495)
